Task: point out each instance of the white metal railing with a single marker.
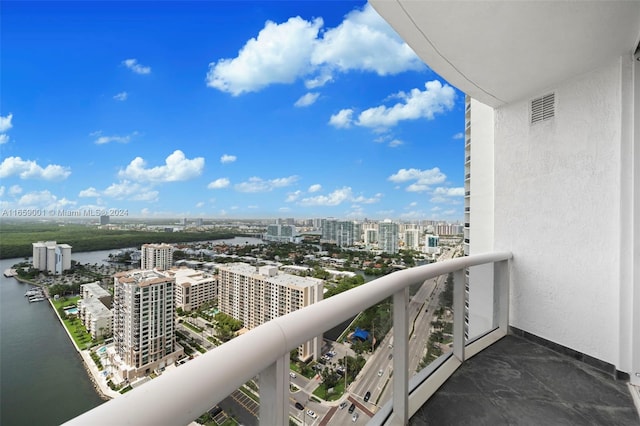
(181, 395)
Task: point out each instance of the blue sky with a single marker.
(223, 110)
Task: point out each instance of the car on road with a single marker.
(367, 396)
(379, 373)
(311, 414)
(299, 406)
(352, 407)
(343, 404)
(354, 417)
(292, 375)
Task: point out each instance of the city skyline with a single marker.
(221, 110)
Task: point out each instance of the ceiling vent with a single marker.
(543, 108)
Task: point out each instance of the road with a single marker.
(376, 376)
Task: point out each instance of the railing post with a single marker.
(501, 283)
(274, 393)
(458, 314)
(400, 358)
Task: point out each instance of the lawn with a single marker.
(74, 326)
(338, 390)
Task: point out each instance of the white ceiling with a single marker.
(502, 51)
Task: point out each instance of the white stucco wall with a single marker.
(481, 216)
(557, 208)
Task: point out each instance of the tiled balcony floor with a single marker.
(518, 382)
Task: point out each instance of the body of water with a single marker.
(42, 377)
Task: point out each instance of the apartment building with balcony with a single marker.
(258, 295)
(51, 257)
(158, 256)
(143, 322)
(193, 288)
(94, 310)
(388, 236)
(554, 128)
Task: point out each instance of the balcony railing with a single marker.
(182, 395)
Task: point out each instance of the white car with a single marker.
(379, 373)
(292, 375)
(354, 417)
(311, 414)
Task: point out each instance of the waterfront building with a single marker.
(340, 232)
(143, 322)
(51, 257)
(156, 256)
(257, 295)
(412, 239)
(193, 288)
(388, 236)
(282, 233)
(94, 310)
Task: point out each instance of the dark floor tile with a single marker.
(518, 382)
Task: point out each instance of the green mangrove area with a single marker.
(16, 239)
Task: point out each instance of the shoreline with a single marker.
(90, 368)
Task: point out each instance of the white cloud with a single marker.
(131, 191)
(44, 199)
(395, 143)
(101, 140)
(413, 204)
(449, 192)
(342, 119)
(279, 54)
(256, 184)
(293, 196)
(414, 105)
(365, 42)
(134, 66)
(15, 190)
(219, 183)
(177, 168)
(458, 135)
(307, 99)
(363, 200)
(122, 96)
(89, 192)
(200, 204)
(228, 158)
(315, 188)
(28, 169)
(333, 199)
(5, 123)
(427, 177)
(297, 49)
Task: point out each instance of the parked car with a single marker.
(379, 373)
(292, 375)
(299, 406)
(352, 407)
(367, 396)
(343, 404)
(311, 414)
(354, 417)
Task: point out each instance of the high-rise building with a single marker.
(158, 256)
(412, 239)
(257, 295)
(282, 233)
(51, 257)
(193, 288)
(104, 220)
(143, 322)
(339, 232)
(388, 236)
